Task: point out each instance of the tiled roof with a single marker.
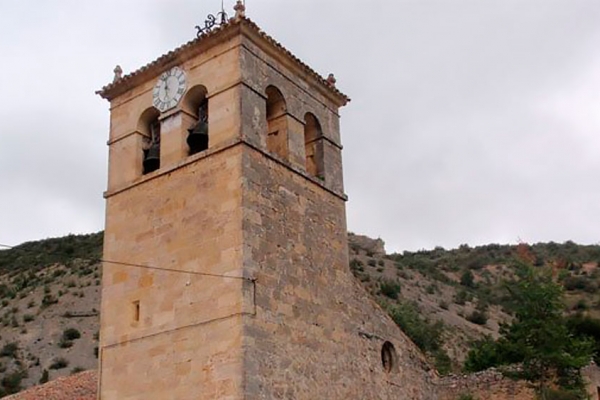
(81, 386)
(110, 90)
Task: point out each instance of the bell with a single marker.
(198, 137)
(152, 158)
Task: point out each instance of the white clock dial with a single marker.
(169, 89)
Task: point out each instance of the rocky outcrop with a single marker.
(374, 247)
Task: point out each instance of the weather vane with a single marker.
(212, 21)
(221, 18)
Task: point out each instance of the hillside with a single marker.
(49, 297)
(444, 299)
(461, 292)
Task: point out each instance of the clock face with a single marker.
(169, 89)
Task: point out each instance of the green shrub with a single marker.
(426, 335)
(390, 289)
(586, 327)
(562, 394)
(467, 279)
(71, 334)
(11, 383)
(477, 317)
(48, 300)
(28, 317)
(59, 363)
(442, 362)
(77, 370)
(9, 350)
(461, 297)
(403, 275)
(581, 305)
(355, 265)
(45, 377)
(574, 283)
(484, 354)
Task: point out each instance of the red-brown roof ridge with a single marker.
(81, 386)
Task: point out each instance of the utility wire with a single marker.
(177, 270)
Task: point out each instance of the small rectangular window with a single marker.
(136, 311)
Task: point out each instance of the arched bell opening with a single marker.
(196, 103)
(276, 122)
(149, 127)
(313, 146)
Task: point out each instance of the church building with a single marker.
(225, 270)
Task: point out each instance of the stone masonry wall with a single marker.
(187, 341)
(316, 333)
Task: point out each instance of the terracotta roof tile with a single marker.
(81, 386)
(171, 56)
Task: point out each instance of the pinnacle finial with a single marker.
(118, 73)
(240, 10)
(331, 80)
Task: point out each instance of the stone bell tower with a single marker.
(226, 264)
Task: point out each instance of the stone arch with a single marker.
(313, 146)
(193, 98)
(277, 126)
(196, 103)
(147, 118)
(149, 126)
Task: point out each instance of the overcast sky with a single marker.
(471, 121)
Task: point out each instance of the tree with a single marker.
(538, 338)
